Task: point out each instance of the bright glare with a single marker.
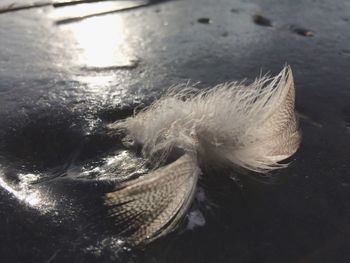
(97, 43)
(101, 42)
(24, 193)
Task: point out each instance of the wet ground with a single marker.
(62, 81)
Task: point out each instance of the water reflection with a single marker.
(25, 192)
(99, 48)
(118, 167)
(101, 41)
(94, 44)
(32, 190)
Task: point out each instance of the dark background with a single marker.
(60, 83)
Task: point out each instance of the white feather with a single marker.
(251, 126)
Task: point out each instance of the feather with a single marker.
(151, 206)
(250, 126)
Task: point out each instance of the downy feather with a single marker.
(251, 126)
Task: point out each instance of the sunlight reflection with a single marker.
(99, 45)
(26, 194)
(98, 48)
(118, 167)
(101, 42)
(97, 82)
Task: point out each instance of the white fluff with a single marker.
(251, 126)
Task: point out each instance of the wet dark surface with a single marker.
(61, 84)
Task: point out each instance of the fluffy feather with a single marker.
(253, 126)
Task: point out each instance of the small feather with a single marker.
(252, 126)
(152, 205)
(249, 126)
